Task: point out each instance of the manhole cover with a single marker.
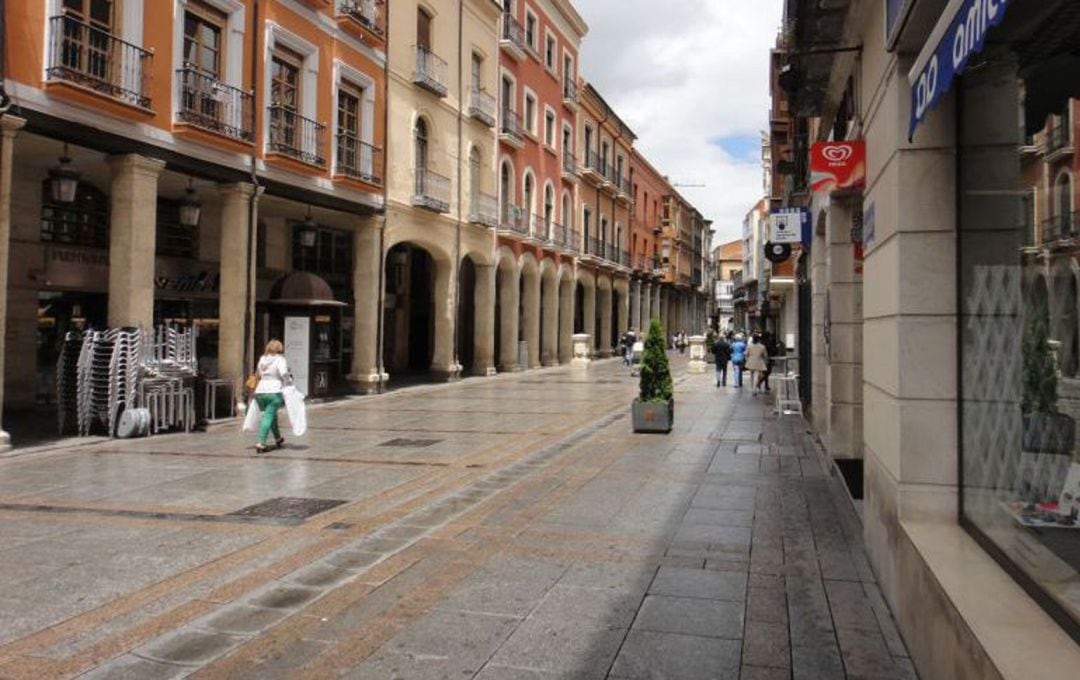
(288, 508)
(411, 443)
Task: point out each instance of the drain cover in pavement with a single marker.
(411, 443)
(288, 508)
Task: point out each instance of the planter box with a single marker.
(651, 416)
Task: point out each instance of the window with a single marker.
(506, 192)
(618, 168)
(549, 128)
(549, 52)
(474, 178)
(530, 113)
(88, 51)
(352, 156)
(567, 213)
(506, 95)
(83, 222)
(423, 30)
(477, 69)
(567, 139)
(549, 205)
(568, 68)
(527, 194)
(330, 257)
(588, 139)
(284, 99)
(586, 223)
(202, 40)
(531, 31)
(420, 146)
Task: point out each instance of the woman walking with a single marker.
(757, 360)
(273, 372)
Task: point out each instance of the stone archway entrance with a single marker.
(466, 316)
(409, 317)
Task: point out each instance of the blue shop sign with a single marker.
(958, 35)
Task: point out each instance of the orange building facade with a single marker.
(214, 148)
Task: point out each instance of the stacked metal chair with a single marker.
(167, 389)
(67, 380)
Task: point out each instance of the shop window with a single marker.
(1019, 323)
(327, 253)
(84, 222)
(172, 238)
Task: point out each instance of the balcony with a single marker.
(296, 137)
(512, 38)
(369, 15)
(208, 104)
(430, 72)
(94, 59)
(570, 94)
(432, 191)
(482, 107)
(559, 235)
(541, 228)
(595, 169)
(510, 130)
(573, 241)
(359, 160)
(569, 166)
(1060, 228)
(641, 263)
(623, 190)
(594, 248)
(514, 220)
(1059, 142)
(484, 210)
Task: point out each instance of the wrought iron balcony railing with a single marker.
(484, 210)
(515, 219)
(358, 159)
(513, 36)
(559, 235)
(432, 191)
(206, 103)
(1063, 226)
(95, 59)
(1058, 138)
(297, 137)
(569, 91)
(569, 164)
(573, 241)
(624, 258)
(596, 164)
(482, 107)
(541, 228)
(430, 72)
(510, 126)
(371, 14)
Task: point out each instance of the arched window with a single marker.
(1063, 196)
(506, 192)
(527, 196)
(420, 141)
(549, 206)
(567, 212)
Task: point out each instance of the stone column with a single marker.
(367, 256)
(484, 322)
(509, 302)
(443, 365)
(132, 232)
(549, 354)
(635, 304)
(589, 313)
(603, 299)
(655, 303)
(9, 127)
(646, 306)
(622, 312)
(566, 322)
(532, 318)
(845, 337)
(235, 300)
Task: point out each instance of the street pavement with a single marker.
(499, 529)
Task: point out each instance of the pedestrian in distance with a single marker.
(273, 375)
(738, 358)
(680, 343)
(757, 361)
(722, 352)
(773, 349)
(627, 342)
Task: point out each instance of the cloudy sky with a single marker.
(690, 77)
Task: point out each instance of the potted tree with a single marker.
(1045, 430)
(654, 409)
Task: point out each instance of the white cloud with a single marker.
(683, 74)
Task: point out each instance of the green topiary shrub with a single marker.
(655, 371)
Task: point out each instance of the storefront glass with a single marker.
(1018, 253)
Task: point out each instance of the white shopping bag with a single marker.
(294, 406)
(253, 416)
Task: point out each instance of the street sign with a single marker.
(777, 252)
(785, 225)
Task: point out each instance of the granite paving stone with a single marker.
(521, 532)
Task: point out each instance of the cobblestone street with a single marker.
(497, 528)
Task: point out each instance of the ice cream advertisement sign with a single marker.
(838, 166)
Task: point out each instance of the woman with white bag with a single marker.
(273, 375)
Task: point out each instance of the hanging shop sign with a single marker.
(786, 225)
(959, 34)
(838, 166)
(777, 252)
(77, 268)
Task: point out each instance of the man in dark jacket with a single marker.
(722, 351)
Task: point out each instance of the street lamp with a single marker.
(190, 206)
(308, 231)
(63, 180)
